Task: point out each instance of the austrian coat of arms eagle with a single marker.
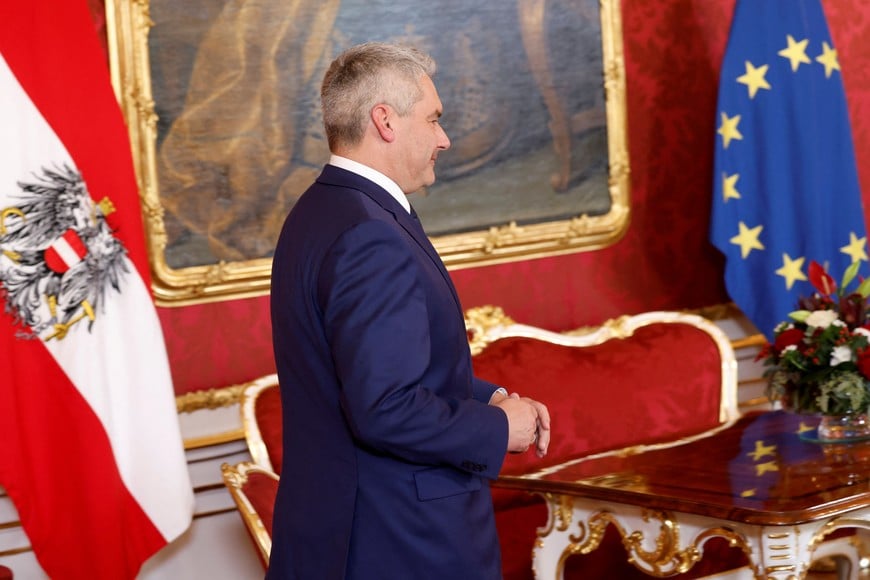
(58, 255)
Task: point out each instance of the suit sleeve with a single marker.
(377, 324)
(483, 390)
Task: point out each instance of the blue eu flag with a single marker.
(785, 185)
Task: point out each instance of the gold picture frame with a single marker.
(199, 265)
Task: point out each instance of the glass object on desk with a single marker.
(833, 427)
(844, 428)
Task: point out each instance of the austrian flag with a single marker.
(90, 448)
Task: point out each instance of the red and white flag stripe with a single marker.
(67, 251)
(90, 447)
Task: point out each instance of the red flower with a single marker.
(821, 280)
(853, 310)
(864, 363)
(790, 337)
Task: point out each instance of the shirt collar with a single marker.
(372, 175)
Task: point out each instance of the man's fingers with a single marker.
(543, 414)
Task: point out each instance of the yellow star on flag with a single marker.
(796, 52)
(803, 428)
(754, 79)
(729, 186)
(762, 450)
(762, 468)
(791, 270)
(728, 129)
(829, 59)
(856, 248)
(748, 493)
(747, 239)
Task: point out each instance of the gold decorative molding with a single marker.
(735, 540)
(216, 399)
(713, 313)
(10, 524)
(756, 340)
(564, 511)
(479, 321)
(15, 551)
(209, 399)
(615, 328)
(215, 439)
(666, 559)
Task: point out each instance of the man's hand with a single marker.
(542, 438)
(528, 423)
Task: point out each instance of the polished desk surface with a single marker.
(756, 470)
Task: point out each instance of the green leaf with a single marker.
(850, 274)
(864, 288)
(799, 315)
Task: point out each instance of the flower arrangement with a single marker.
(819, 361)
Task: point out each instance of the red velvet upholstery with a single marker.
(663, 381)
(260, 490)
(254, 488)
(261, 419)
(268, 412)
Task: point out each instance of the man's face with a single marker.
(421, 138)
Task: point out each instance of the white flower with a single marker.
(789, 348)
(862, 331)
(783, 326)
(821, 318)
(841, 354)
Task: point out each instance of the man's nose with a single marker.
(443, 140)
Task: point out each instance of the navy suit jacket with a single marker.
(388, 439)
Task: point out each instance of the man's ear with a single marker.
(382, 116)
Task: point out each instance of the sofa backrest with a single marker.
(634, 380)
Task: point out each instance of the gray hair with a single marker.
(367, 75)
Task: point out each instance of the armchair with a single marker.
(261, 420)
(253, 489)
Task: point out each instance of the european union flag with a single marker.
(785, 184)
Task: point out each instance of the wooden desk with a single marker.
(754, 481)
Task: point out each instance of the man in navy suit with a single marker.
(389, 438)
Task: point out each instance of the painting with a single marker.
(221, 98)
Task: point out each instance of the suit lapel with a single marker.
(338, 176)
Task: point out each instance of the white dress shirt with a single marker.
(372, 175)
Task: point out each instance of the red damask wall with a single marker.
(673, 49)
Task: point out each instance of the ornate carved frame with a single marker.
(128, 25)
